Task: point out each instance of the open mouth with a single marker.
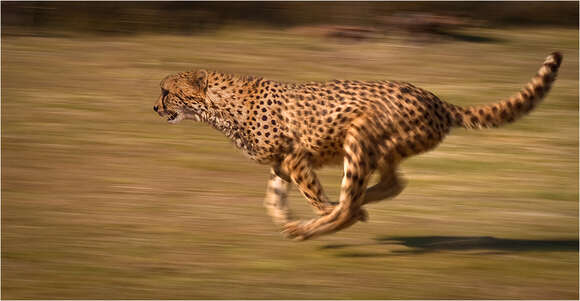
(172, 117)
(175, 117)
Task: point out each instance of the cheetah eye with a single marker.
(164, 92)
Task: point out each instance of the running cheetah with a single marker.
(298, 127)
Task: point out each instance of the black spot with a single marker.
(401, 150)
(354, 177)
(539, 91)
(503, 114)
(347, 157)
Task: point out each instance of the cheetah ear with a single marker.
(200, 80)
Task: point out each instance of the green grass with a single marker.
(101, 199)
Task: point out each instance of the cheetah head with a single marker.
(183, 96)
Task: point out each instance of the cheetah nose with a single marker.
(155, 108)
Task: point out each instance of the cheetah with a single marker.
(369, 126)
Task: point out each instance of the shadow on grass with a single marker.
(484, 244)
(470, 38)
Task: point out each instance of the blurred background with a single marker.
(101, 199)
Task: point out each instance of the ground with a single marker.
(101, 199)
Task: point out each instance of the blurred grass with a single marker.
(101, 199)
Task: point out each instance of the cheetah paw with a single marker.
(295, 230)
(362, 215)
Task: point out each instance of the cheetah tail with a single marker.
(507, 111)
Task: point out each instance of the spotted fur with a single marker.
(298, 127)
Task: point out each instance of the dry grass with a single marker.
(103, 200)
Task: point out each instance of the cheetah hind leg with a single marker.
(276, 200)
(347, 212)
(389, 186)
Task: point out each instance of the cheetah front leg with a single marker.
(356, 175)
(276, 200)
(298, 168)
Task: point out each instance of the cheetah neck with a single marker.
(226, 113)
(230, 129)
(244, 109)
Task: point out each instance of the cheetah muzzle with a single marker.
(368, 126)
